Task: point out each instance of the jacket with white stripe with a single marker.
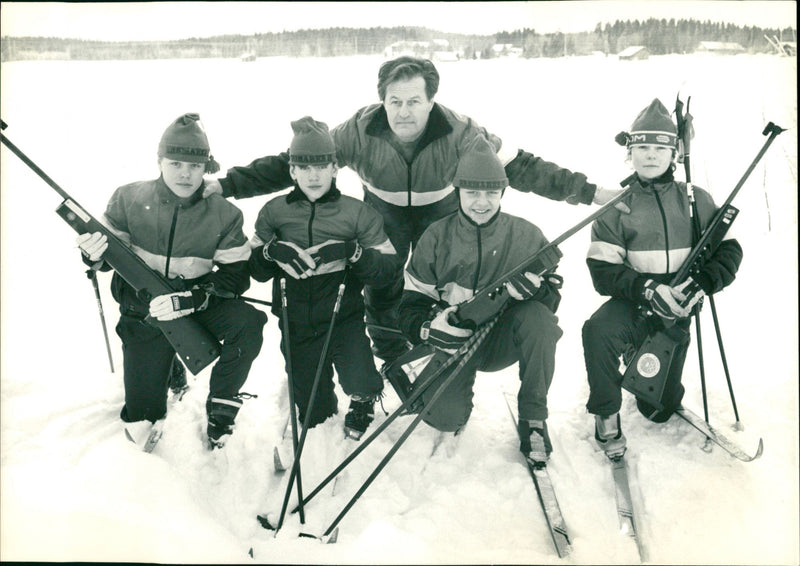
(653, 240)
(365, 143)
(456, 258)
(190, 241)
(309, 225)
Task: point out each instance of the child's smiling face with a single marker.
(651, 161)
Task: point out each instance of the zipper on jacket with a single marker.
(171, 239)
(311, 243)
(663, 220)
(408, 182)
(480, 261)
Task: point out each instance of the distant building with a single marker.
(720, 47)
(634, 53)
(506, 50)
(436, 50)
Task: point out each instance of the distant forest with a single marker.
(658, 36)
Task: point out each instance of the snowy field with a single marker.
(74, 489)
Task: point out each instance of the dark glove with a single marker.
(333, 251)
(662, 299)
(176, 305)
(283, 252)
(692, 292)
(525, 287)
(445, 336)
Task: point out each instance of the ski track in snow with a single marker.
(74, 489)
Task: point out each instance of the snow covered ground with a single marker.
(73, 488)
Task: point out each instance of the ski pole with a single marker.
(428, 406)
(738, 424)
(685, 134)
(399, 411)
(310, 407)
(92, 275)
(292, 413)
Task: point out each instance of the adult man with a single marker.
(405, 150)
(456, 258)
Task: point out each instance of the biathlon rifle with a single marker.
(488, 302)
(195, 345)
(484, 306)
(646, 373)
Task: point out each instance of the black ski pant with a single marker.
(617, 328)
(526, 333)
(147, 356)
(403, 225)
(348, 351)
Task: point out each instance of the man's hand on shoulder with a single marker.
(212, 186)
(603, 195)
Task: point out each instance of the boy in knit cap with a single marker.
(199, 246)
(456, 258)
(321, 239)
(632, 259)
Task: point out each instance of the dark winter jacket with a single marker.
(200, 240)
(293, 218)
(455, 259)
(653, 241)
(365, 144)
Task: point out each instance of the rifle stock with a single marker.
(196, 346)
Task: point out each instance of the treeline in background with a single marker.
(657, 36)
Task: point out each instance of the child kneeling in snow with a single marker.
(632, 258)
(455, 259)
(199, 246)
(321, 239)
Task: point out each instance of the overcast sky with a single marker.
(177, 20)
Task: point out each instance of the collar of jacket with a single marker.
(437, 126)
(166, 196)
(297, 194)
(659, 183)
(469, 222)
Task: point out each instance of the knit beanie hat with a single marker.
(185, 140)
(653, 126)
(480, 168)
(312, 143)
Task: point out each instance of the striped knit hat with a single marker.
(653, 126)
(312, 143)
(480, 168)
(185, 140)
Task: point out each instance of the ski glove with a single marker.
(93, 246)
(443, 335)
(692, 293)
(662, 299)
(175, 305)
(295, 261)
(332, 251)
(524, 286)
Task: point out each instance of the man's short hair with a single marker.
(406, 68)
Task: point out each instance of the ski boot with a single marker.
(144, 434)
(608, 433)
(177, 379)
(359, 416)
(535, 441)
(221, 416)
